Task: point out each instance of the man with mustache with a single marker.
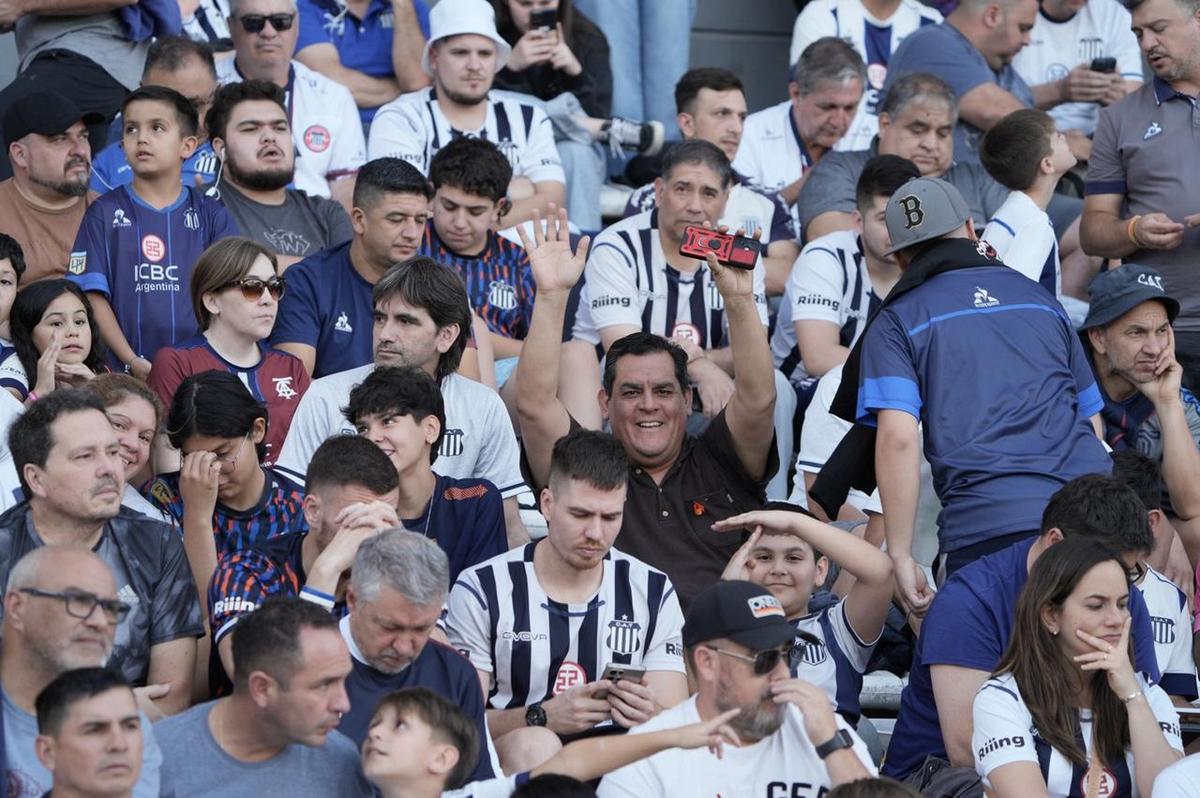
(42, 204)
(251, 135)
(62, 611)
(737, 639)
(67, 457)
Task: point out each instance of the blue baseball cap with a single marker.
(1118, 291)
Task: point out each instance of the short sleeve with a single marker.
(857, 651)
(89, 263)
(539, 161)
(1090, 400)
(499, 456)
(821, 431)
(815, 21)
(641, 200)
(167, 372)
(349, 145)
(299, 317)
(338, 228)
(781, 221)
(242, 581)
(960, 630)
(1179, 780)
(611, 278)
(308, 430)
(829, 187)
(889, 378)
(1106, 169)
(816, 284)
(1031, 246)
(636, 780)
(1166, 715)
(489, 535)
(223, 223)
(467, 622)
(176, 610)
(12, 375)
(945, 54)
(312, 25)
(397, 132)
(666, 647)
(1141, 630)
(1001, 728)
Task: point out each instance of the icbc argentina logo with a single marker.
(569, 675)
(153, 248)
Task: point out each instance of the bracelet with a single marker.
(1131, 230)
(1131, 696)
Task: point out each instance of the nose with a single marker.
(80, 147)
(780, 671)
(118, 741)
(339, 701)
(405, 646)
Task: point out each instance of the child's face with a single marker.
(784, 565)
(65, 319)
(8, 287)
(398, 747)
(403, 439)
(153, 139)
(1060, 153)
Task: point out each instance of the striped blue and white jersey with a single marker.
(1023, 237)
(413, 127)
(1172, 625)
(1004, 733)
(829, 282)
(838, 662)
(501, 619)
(627, 281)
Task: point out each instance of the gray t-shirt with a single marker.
(831, 186)
(28, 778)
(100, 37)
(302, 225)
(194, 765)
(943, 51)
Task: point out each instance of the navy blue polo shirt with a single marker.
(991, 340)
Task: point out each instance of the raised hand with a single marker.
(739, 566)
(555, 267)
(710, 734)
(732, 283)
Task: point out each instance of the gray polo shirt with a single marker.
(1144, 150)
(831, 186)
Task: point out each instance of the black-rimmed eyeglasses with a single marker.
(81, 604)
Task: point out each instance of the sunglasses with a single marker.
(763, 661)
(254, 23)
(252, 287)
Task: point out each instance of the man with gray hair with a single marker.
(397, 590)
(61, 612)
(782, 143)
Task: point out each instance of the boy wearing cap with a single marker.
(737, 640)
(463, 54)
(43, 203)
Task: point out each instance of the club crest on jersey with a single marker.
(1106, 786)
(570, 674)
(983, 299)
(191, 219)
(624, 636)
(765, 606)
(1164, 630)
(809, 653)
(452, 443)
(502, 296)
(78, 262)
(283, 387)
(317, 138)
(715, 300)
(153, 247)
(120, 219)
(876, 75)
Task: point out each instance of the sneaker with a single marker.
(645, 137)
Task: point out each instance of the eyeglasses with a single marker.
(253, 287)
(226, 462)
(254, 23)
(763, 661)
(81, 604)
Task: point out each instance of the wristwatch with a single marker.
(839, 741)
(535, 715)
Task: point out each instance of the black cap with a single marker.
(1118, 291)
(742, 612)
(46, 112)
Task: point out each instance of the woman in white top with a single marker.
(1065, 714)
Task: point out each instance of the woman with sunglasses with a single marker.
(56, 340)
(235, 296)
(1065, 714)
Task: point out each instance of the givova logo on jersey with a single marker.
(624, 636)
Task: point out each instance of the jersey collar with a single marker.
(796, 134)
(1164, 92)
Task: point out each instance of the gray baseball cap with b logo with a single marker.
(923, 209)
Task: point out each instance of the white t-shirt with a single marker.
(829, 282)
(785, 763)
(874, 39)
(1179, 780)
(479, 442)
(627, 280)
(325, 126)
(1023, 237)
(1172, 625)
(772, 155)
(1098, 30)
(501, 787)
(11, 492)
(1004, 733)
(413, 127)
(838, 662)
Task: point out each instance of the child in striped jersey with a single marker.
(421, 746)
(789, 553)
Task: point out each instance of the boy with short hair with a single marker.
(135, 249)
(400, 409)
(1026, 154)
(789, 553)
(422, 746)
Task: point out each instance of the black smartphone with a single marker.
(546, 19)
(615, 673)
(1108, 64)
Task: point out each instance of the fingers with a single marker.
(537, 224)
(585, 244)
(739, 521)
(153, 691)
(1192, 221)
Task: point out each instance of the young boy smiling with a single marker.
(135, 249)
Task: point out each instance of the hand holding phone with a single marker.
(1106, 65)
(544, 20)
(614, 673)
(738, 252)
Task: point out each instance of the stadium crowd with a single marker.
(357, 442)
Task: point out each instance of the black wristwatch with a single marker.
(839, 741)
(535, 715)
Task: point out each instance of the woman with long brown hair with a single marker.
(1065, 714)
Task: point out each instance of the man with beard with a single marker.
(42, 204)
(67, 457)
(737, 639)
(396, 594)
(61, 612)
(251, 135)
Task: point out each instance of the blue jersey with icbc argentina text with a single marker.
(140, 258)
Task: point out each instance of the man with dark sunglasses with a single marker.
(252, 136)
(62, 611)
(736, 638)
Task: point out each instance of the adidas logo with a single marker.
(128, 595)
(983, 299)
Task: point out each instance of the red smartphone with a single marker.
(738, 252)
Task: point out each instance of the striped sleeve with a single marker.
(241, 582)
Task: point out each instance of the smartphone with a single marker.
(1104, 65)
(615, 673)
(546, 19)
(739, 252)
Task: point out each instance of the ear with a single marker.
(1046, 165)
(43, 748)
(821, 572)
(351, 600)
(14, 607)
(794, 91)
(1053, 537)
(358, 220)
(17, 154)
(659, 187)
(446, 336)
(312, 510)
(885, 122)
(430, 429)
(443, 759)
(546, 502)
(218, 145)
(262, 688)
(209, 300)
(259, 432)
(993, 16)
(1050, 619)
(602, 400)
(704, 661)
(502, 209)
(1157, 519)
(1096, 339)
(190, 143)
(35, 478)
(687, 125)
